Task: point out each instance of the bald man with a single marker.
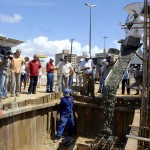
(15, 67)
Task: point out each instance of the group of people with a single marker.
(16, 70)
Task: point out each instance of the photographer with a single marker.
(5, 57)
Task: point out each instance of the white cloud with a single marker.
(41, 45)
(10, 19)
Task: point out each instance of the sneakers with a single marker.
(68, 141)
(47, 91)
(56, 139)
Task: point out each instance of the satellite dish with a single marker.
(113, 51)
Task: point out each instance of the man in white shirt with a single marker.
(79, 77)
(87, 67)
(65, 69)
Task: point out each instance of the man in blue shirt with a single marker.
(66, 115)
(126, 81)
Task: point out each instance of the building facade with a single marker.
(72, 57)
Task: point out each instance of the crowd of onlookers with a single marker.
(17, 72)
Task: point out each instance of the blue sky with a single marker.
(46, 26)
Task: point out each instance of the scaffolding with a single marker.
(145, 109)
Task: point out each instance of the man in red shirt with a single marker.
(50, 76)
(33, 68)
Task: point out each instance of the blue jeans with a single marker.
(101, 83)
(70, 83)
(3, 85)
(62, 123)
(50, 81)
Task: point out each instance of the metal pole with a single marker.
(90, 6)
(71, 50)
(104, 44)
(90, 32)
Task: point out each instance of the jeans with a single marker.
(101, 83)
(3, 85)
(125, 82)
(70, 83)
(62, 123)
(33, 83)
(50, 81)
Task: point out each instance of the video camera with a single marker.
(6, 53)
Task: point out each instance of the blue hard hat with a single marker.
(67, 92)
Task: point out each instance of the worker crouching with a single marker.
(66, 116)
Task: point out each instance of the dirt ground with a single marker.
(47, 143)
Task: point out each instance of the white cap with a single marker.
(108, 55)
(86, 55)
(81, 59)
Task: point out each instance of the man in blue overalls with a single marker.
(66, 115)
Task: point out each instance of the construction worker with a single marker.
(87, 67)
(66, 116)
(102, 77)
(79, 77)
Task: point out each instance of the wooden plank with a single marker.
(87, 121)
(133, 143)
(29, 108)
(80, 121)
(53, 126)
(33, 130)
(16, 121)
(39, 127)
(128, 118)
(95, 122)
(118, 122)
(45, 120)
(27, 130)
(2, 135)
(23, 130)
(11, 134)
(55, 121)
(7, 139)
(101, 118)
(49, 123)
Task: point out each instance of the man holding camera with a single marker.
(5, 57)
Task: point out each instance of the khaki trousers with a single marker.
(15, 83)
(88, 84)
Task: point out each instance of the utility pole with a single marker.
(90, 6)
(104, 51)
(71, 50)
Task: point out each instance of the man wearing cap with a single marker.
(102, 77)
(66, 115)
(65, 69)
(87, 67)
(79, 77)
(50, 75)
